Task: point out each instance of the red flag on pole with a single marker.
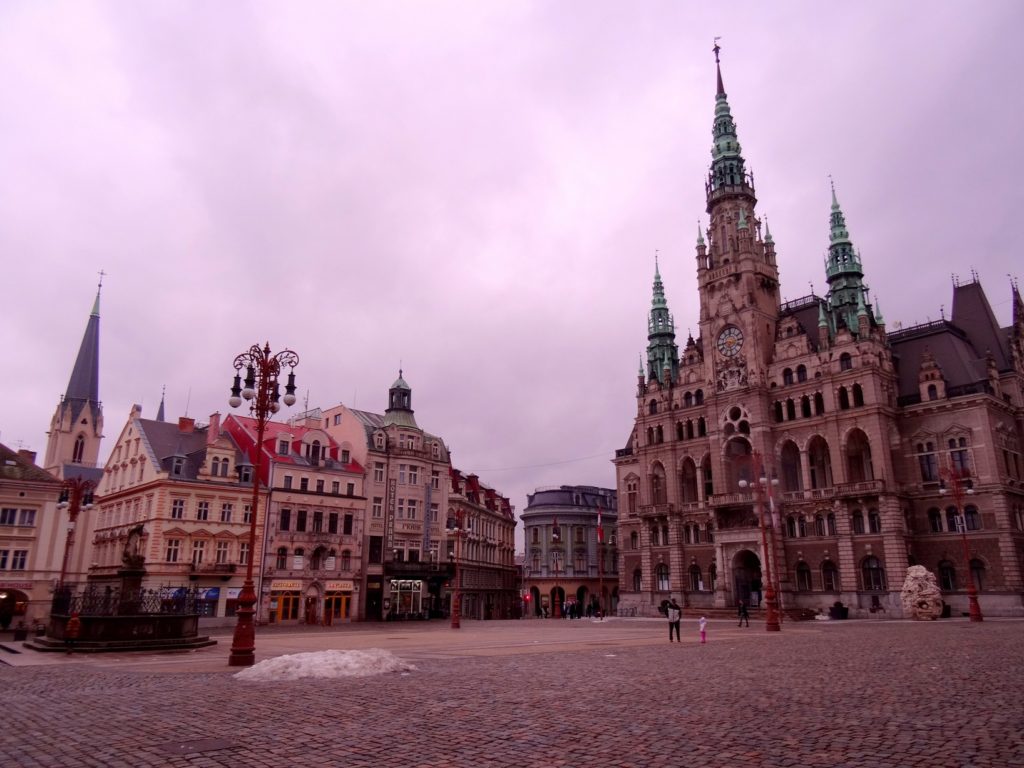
(600, 528)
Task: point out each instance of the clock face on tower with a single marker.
(730, 340)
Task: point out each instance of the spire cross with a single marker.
(102, 274)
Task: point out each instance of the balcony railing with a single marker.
(217, 569)
(860, 488)
(655, 510)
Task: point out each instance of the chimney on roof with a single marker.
(27, 455)
(213, 432)
(186, 425)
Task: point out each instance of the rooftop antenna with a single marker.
(942, 311)
(188, 400)
(305, 403)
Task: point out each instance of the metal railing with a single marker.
(93, 601)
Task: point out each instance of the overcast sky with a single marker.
(473, 191)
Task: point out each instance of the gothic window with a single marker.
(844, 399)
(873, 574)
(689, 481)
(935, 520)
(858, 457)
(829, 576)
(688, 400)
(658, 488)
(659, 434)
(858, 396)
(819, 404)
(820, 461)
(787, 376)
(679, 430)
(661, 577)
(778, 413)
(79, 450)
(709, 485)
(791, 473)
(928, 462)
(803, 577)
(947, 576)
(845, 362)
(790, 409)
(805, 407)
(801, 373)
(698, 397)
(702, 427)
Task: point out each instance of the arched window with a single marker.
(659, 434)
(801, 526)
(829, 576)
(712, 576)
(298, 559)
(787, 376)
(858, 457)
(637, 580)
(689, 429)
(313, 452)
(688, 481)
(282, 558)
(654, 535)
(978, 573)
(947, 576)
(858, 396)
(79, 450)
(857, 521)
(933, 392)
(346, 560)
(215, 467)
(830, 522)
(536, 535)
(698, 397)
(658, 487)
(845, 362)
(820, 461)
(874, 521)
(791, 527)
(652, 407)
(935, 520)
(709, 533)
(819, 404)
(317, 559)
(688, 400)
(844, 399)
(805, 407)
(661, 577)
(819, 525)
(951, 516)
(679, 430)
(650, 435)
(778, 412)
(873, 574)
(696, 583)
(792, 476)
(790, 409)
(634, 540)
(971, 518)
(801, 373)
(702, 427)
(803, 577)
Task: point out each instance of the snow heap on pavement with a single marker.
(325, 664)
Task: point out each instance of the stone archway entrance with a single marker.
(13, 604)
(746, 578)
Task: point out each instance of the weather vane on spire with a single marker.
(716, 49)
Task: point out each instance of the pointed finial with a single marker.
(160, 410)
(640, 371)
(700, 235)
(655, 261)
(718, 67)
(832, 183)
(767, 231)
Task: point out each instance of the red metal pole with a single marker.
(771, 620)
(973, 608)
(456, 606)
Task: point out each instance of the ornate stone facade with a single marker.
(857, 430)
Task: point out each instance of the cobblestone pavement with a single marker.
(544, 693)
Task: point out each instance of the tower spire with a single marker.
(843, 270)
(728, 176)
(718, 67)
(160, 410)
(662, 351)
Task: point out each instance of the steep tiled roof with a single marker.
(15, 467)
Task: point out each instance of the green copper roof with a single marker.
(767, 232)
(661, 333)
(700, 235)
(400, 383)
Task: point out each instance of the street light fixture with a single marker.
(75, 496)
(762, 487)
(960, 483)
(454, 555)
(262, 390)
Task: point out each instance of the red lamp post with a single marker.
(763, 485)
(960, 483)
(458, 532)
(262, 389)
(75, 496)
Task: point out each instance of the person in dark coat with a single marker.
(744, 613)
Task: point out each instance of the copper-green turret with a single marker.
(662, 351)
(845, 275)
(728, 178)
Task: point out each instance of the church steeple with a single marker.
(77, 425)
(662, 352)
(845, 274)
(728, 176)
(399, 409)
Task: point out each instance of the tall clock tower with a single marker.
(737, 273)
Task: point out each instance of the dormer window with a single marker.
(245, 474)
(177, 465)
(345, 457)
(282, 447)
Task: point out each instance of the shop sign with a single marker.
(338, 586)
(374, 584)
(285, 585)
(16, 585)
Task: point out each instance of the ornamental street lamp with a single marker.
(75, 496)
(763, 486)
(960, 483)
(262, 390)
(454, 555)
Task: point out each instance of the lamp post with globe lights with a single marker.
(262, 389)
(959, 483)
(459, 529)
(762, 486)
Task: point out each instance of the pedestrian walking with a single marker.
(744, 613)
(703, 624)
(71, 631)
(675, 614)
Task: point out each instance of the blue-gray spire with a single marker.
(84, 384)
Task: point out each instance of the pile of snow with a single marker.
(325, 664)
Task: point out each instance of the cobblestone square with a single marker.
(543, 693)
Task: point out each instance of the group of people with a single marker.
(574, 609)
(674, 612)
